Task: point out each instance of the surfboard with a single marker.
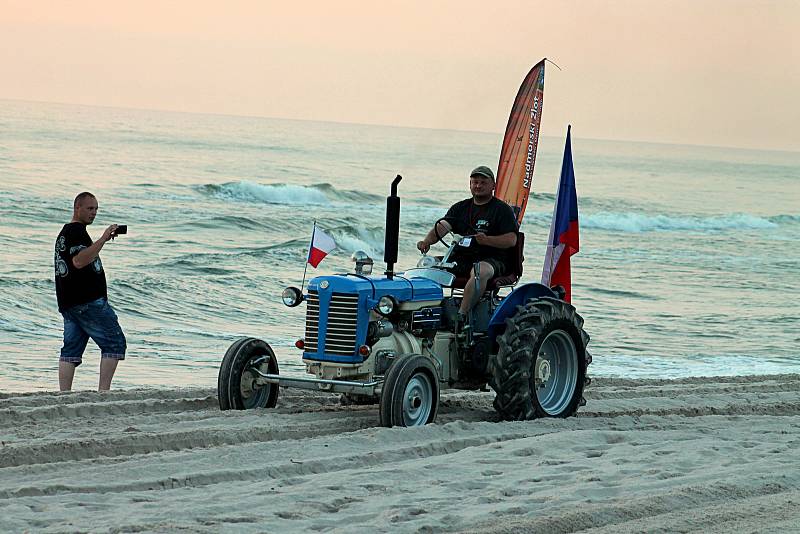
(518, 155)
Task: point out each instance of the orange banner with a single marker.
(517, 158)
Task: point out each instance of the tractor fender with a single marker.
(508, 307)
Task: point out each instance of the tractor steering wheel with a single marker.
(440, 238)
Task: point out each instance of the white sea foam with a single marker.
(273, 194)
(639, 222)
(370, 242)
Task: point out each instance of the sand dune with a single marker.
(704, 454)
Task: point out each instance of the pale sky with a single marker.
(709, 72)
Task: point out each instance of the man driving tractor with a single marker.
(492, 225)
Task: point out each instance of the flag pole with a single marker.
(308, 255)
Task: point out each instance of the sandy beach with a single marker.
(699, 454)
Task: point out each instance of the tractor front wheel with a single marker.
(410, 395)
(237, 387)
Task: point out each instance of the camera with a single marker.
(121, 229)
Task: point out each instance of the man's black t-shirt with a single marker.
(76, 286)
(493, 218)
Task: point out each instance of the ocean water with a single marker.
(689, 262)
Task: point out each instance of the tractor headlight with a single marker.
(385, 305)
(292, 296)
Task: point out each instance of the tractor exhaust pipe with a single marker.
(392, 229)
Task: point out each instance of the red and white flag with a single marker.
(321, 245)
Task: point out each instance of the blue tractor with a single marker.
(394, 340)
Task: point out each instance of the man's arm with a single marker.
(88, 255)
(431, 237)
(506, 240)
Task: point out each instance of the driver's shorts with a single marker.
(463, 268)
(95, 320)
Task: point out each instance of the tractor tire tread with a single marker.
(511, 367)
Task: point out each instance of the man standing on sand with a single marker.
(492, 224)
(82, 296)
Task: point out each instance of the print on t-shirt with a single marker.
(76, 286)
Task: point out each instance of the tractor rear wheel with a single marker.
(410, 395)
(236, 386)
(540, 367)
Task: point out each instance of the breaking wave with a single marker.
(287, 194)
(270, 194)
(352, 238)
(639, 222)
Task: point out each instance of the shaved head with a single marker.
(84, 208)
(81, 197)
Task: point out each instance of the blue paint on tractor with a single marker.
(347, 300)
(508, 307)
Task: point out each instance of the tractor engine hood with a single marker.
(372, 288)
(339, 308)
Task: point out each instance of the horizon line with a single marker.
(408, 127)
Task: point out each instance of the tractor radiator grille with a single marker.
(340, 337)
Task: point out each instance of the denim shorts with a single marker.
(95, 320)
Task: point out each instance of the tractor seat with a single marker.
(507, 280)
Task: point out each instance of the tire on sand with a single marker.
(410, 395)
(540, 367)
(236, 387)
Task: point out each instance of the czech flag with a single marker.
(321, 245)
(563, 241)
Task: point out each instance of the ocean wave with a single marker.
(346, 194)
(622, 293)
(544, 196)
(785, 219)
(133, 137)
(639, 222)
(188, 267)
(287, 194)
(228, 221)
(352, 238)
(270, 194)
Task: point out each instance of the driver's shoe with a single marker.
(462, 325)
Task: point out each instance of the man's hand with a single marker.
(87, 255)
(423, 246)
(110, 233)
(481, 238)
